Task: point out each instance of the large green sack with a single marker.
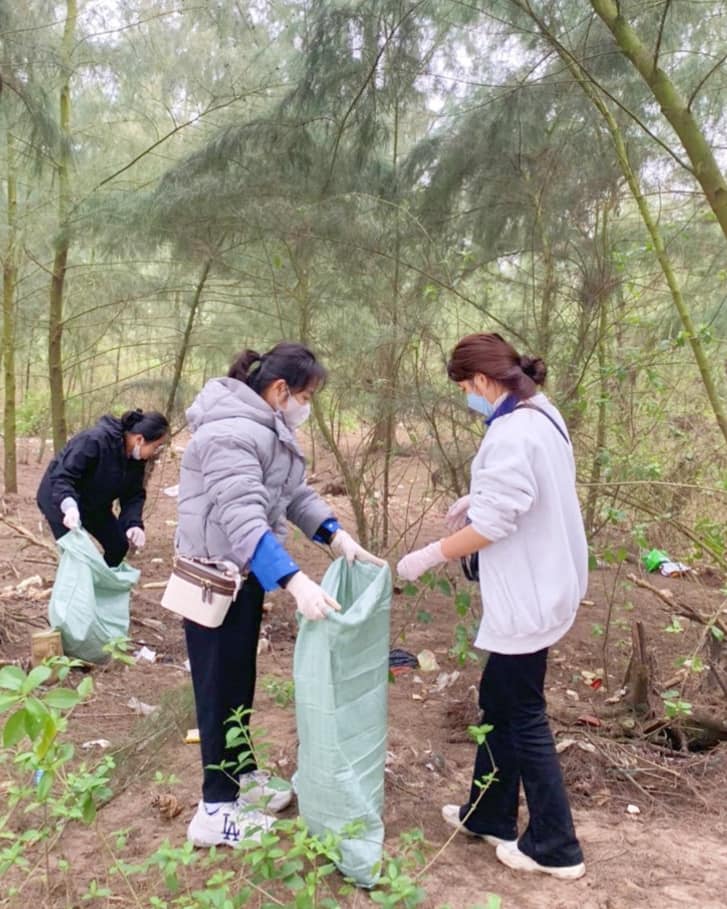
(89, 604)
(341, 685)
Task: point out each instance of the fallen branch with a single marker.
(24, 532)
(688, 612)
(703, 720)
(36, 621)
(154, 624)
(720, 681)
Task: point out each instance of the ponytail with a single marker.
(243, 364)
(288, 360)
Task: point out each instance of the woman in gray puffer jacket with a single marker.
(242, 478)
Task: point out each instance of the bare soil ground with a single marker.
(673, 853)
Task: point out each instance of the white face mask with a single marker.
(136, 452)
(295, 413)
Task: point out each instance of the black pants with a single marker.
(223, 663)
(522, 748)
(103, 525)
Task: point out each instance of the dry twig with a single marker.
(24, 532)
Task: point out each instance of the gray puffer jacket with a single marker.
(242, 474)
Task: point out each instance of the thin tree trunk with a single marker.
(690, 329)
(550, 287)
(9, 283)
(601, 299)
(392, 354)
(60, 259)
(674, 106)
(184, 347)
(602, 420)
(583, 79)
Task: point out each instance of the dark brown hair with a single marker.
(491, 355)
(288, 360)
(152, 425)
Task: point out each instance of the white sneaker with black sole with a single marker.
(450, 813)
(267, 793)
(518, 861)
(227, 824)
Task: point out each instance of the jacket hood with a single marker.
(111, 425)
(224, 399)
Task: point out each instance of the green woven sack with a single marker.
(89, 603)
(341, 686)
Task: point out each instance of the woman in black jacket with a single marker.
(97, 467)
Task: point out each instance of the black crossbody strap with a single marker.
(545, 414)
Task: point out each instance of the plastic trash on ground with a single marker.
(654, 558)
(674, 569)
(341, 687)
(402, 661)
(657, 559)
(427, 661)
(140, 707)
(145, 654)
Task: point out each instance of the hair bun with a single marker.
(534, 367)
(131, 418)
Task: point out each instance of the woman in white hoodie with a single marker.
(524, 523)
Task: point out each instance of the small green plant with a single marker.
(693, 664)
(464, 631)
(49, 789)
(461, 648)
(282, 691)
(674, 706)
(675, 626)
(479, 734)
(165, 779)
(397, 888)
(119, 650)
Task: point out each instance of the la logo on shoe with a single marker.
(229, 829)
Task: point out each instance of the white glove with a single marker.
(136, 536)
(312, 601)
(456, 517)
(71, 514)
(343, 544)
(414, 565)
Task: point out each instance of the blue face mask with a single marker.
(480, 404)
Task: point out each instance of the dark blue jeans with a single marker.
(522, 748)
(224, 664)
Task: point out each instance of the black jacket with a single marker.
(94, 470)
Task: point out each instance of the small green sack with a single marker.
(89, 604)
(654, 558)
(341, 670)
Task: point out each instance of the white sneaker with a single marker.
(518, 861)
(450, 813)
(227, 824)
(259, 789)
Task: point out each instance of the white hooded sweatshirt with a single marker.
(523, 498)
